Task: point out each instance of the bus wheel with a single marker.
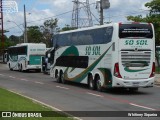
(91, 82)
(56, 74)
(62, 78)
(98, 84)
(20, 68)
(10, 67)
(58, 78)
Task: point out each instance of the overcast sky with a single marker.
(38, 10)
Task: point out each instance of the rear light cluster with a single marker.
(116, 71)
(153, 70)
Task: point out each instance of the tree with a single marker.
(34, 34)
(7, 43)
(67, 28)
(152, 17)
(15, 39)
(48, 29)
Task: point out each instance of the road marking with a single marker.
(42, 103)
(24, 80)
(142, 106)
(39, 82)
(95, 94)
(62, 87)
(2, 75)
(11, 76)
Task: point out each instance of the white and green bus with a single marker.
(26, 56)
(107, 56)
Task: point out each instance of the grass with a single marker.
(157, 70)
(12, 102)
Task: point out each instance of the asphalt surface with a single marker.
(157, 79)
(75, 97)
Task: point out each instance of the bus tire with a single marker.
(98, 83)
(21, 68)
(56, 74)
(10, 67)
(91, 82)
(62, 78)
(58, 79)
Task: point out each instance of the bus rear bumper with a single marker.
(119, 82)
(33, 67)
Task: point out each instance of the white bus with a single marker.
(26, 56)
(107, 56)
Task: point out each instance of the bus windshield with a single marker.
(135, 31)
(22, 50)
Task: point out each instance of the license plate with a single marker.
(135, 83)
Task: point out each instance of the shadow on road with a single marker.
(115, 91)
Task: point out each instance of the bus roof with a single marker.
(88, 28)
(25, 44)
(100, 26)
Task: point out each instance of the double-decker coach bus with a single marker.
(26, 56)
(107, 56)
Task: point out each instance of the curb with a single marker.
(157, 83)
(42, 103)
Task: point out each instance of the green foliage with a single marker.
(15, 39)
(51, 24)
(154, 5)
(67, 28)
(7, 43)
(48, 29)
(152, 17)
(34, 35)
(13, 102)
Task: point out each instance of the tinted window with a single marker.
(18, 50)
(103, 35)
(12, 51)
(135, 30)
(72, 61)
(22, 50)
(87, 37)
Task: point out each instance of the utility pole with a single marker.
(81, 15)
(25, 26)
(101, 13)
(1, 24)
(103, 4)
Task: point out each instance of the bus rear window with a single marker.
(135, 30)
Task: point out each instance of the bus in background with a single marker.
(26, 56)
(107, 56)
(158, 56)
(47, 60)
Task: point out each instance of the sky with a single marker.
(37, 11)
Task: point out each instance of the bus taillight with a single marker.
(153, 70)
(116, 71)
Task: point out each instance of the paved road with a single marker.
(73, 97)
